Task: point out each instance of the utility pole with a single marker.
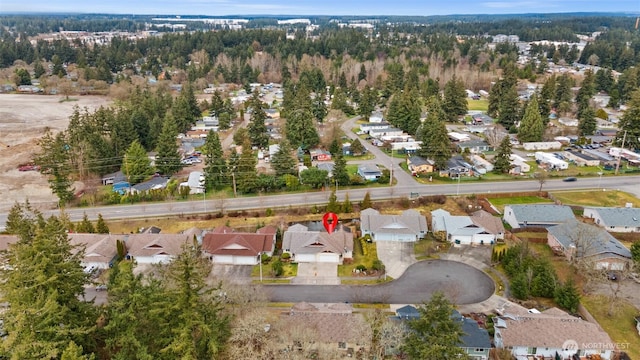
(235, 193)
(624, 137)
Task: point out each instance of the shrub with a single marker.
(285, 256)
(377, 265)
(268, 212)
(361, 267)
(277, 269)
(265, 258)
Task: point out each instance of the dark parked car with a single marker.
(571, 178)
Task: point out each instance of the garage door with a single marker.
(305, 258)
(328, 258)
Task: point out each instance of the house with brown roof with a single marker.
(334, 327)
(154, 248)
(100, 249)
(226, 246)
(307, 245)
(550, 334)
(406, 227)
(492, 224)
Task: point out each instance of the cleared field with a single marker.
(608, 198)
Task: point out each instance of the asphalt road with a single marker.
(463, 284)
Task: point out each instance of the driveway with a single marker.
(396, 256)
(235, 274)
(463, 284)
(316, 274)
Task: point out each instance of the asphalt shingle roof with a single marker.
(541, 213)
(600, 241)
(619, 216)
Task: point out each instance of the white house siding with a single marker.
(95, 265)
(523, 353)
(510, 218)
(234, 260)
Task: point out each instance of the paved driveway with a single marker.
(396, 256)
(317, 274)
(236, 274)
(463, 284)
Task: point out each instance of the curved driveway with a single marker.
(462, 283)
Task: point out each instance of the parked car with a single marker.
(570, 178)
(101, 287)
(612, 276)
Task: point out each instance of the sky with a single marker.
(318, 7)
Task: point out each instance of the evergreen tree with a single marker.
(136, 165)
(168, 157)
(544, 280)
(283, 162)
(199, 327)
(300, 130)
(21, 220)
(85, 227)
(454, 103)
(367, 102)
(366, 202)
(587, 123)
(630, 123)
(546, 97)
(531, 127)
(246, 173)
(55, 161)
(567, 296)
(347, 207)
(215, 165)
(434, 136)
(502, 160)
(333, 205)
(503, 99)
(404, 111)
(357, 148)
(46, 311)
(101, 226)
(217, 104)
(257, 129)
(185, 108)
(435, 335)
(340, 174)
(74, 352)
(38, 69)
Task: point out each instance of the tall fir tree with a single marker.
(136, 165)
(168, 158)
(257, 129)
(46, 309)
(283, 162)
(340, 173)
(502, 160)
(630, 124)
(434, 136)
(54, 159)
(215, 164)
(246, 174)
(85, 226)
(454, 103)
(531, 127)
(101, 225)
(587, 123)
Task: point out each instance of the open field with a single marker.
(620, 326)
(23, 120)
(478, 105)
(608, 198)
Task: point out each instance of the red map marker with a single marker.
(330, 221)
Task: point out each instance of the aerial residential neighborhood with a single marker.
(208, 183)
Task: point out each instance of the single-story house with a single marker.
(366, 127)
(577, 240)
(536, 215)
(406, 227)
(418, 164)
(195, 182)
(490, 223)
(550, 334)
(328, 167)
(100, 249)
(390, 131)
(482, 119)
(225, 246)
(320, 155)
(581, 159)
(154, 183)
(475, 339)
(518, 161)
(626, 219)
(154, 248)
(481, 164)
(121, 187)
(542, 145)
(456, 166)
(551, 161)
(333, 327)
(474, 146)
(407, 312)
(460, 230)
(369, 172)
(114, 178)
(306, 245)
(406, 147)
(207, 123)
(456, 136)
(568, 122)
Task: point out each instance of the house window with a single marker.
(479, 350)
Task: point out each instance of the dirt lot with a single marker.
(24, 119)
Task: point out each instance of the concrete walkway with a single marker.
(396, 256)
(316, 274)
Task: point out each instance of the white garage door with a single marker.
(305, 258)
(245, 260)
(328, 258)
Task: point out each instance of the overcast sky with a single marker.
(318, 7)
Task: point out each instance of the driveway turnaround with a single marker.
(463, 284)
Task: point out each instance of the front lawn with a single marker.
(477, 105)
(364, 253)
(621, 327)
(608, 198)
(501, 202)
(289, 269)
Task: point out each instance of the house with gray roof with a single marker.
(536, 215)
(154, 183)
(577, 240)
(406, 227)
(369, 172)
(460, 230)
(306, 245)
(475, 339)
(614, 219)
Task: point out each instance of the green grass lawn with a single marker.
(621, 327)
(478, 105)
(501, 202)
(290, 269)
(359, 258)
(609, 198)
(366, 156)
(428, 248)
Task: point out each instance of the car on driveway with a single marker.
(570, 179)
